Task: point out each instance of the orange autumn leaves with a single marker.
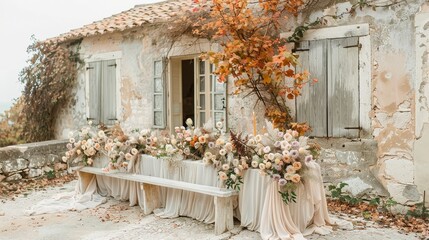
(252, 52)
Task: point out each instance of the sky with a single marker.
(20, 19)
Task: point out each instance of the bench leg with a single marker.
(223, 214)
(151, 198)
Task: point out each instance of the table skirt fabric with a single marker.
(259, 206)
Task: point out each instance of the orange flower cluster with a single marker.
(252, 52)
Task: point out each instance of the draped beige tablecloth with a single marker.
(259, 206)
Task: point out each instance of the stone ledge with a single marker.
(31, 159)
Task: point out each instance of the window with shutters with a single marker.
(102, 92)
(331, 106)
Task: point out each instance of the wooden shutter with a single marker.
(108, 92)
(311, 107)
(343, 88)
(159, 74)
(94, 95)
(218, 98)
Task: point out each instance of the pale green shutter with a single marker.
(312, 105)
(159, 94)
(343, 88)
(94, 73)
(108, 110)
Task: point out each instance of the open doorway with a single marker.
(188, 109)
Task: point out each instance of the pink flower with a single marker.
(282, 182)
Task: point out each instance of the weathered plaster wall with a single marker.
(421, 159)
(393, 114)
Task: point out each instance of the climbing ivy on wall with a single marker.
(48, 81)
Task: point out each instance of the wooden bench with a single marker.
(222, 197)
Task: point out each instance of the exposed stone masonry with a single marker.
(32, 160)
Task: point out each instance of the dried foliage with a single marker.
(9, 190)
(48, 82)
(382, 217)
(252, 52)
(10, 128)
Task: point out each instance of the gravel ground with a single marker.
(115, 220)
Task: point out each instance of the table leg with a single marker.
(223, 214)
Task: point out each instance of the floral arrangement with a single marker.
(281, 155)
(88, 146)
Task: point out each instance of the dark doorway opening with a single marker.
(188, 109)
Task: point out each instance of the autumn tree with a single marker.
(253, 53)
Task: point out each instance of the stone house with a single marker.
(374, 127)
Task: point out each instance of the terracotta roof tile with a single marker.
(135, 17)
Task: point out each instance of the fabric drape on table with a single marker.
(293, 221)
(251, 198)
(178, 202)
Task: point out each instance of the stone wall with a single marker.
(32, 160)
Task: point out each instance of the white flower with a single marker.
(261, 166)
(173, 141)
(255, 164)
(72, 140)
(288, 137)
(89, 123)
(233, 177)
(219, 125)
(267, 149)
(302, 150)
(64, 158)
(89, 161)
(101, 134)
(225, 167)
(268, 165)
(238, 170)
(271, 156)
(134, 151)
(208, 154)
(258, 138)
(187, 151)
(222, 152)
(251, 142)
(235, 162)
(189, 122)
(197, 145)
